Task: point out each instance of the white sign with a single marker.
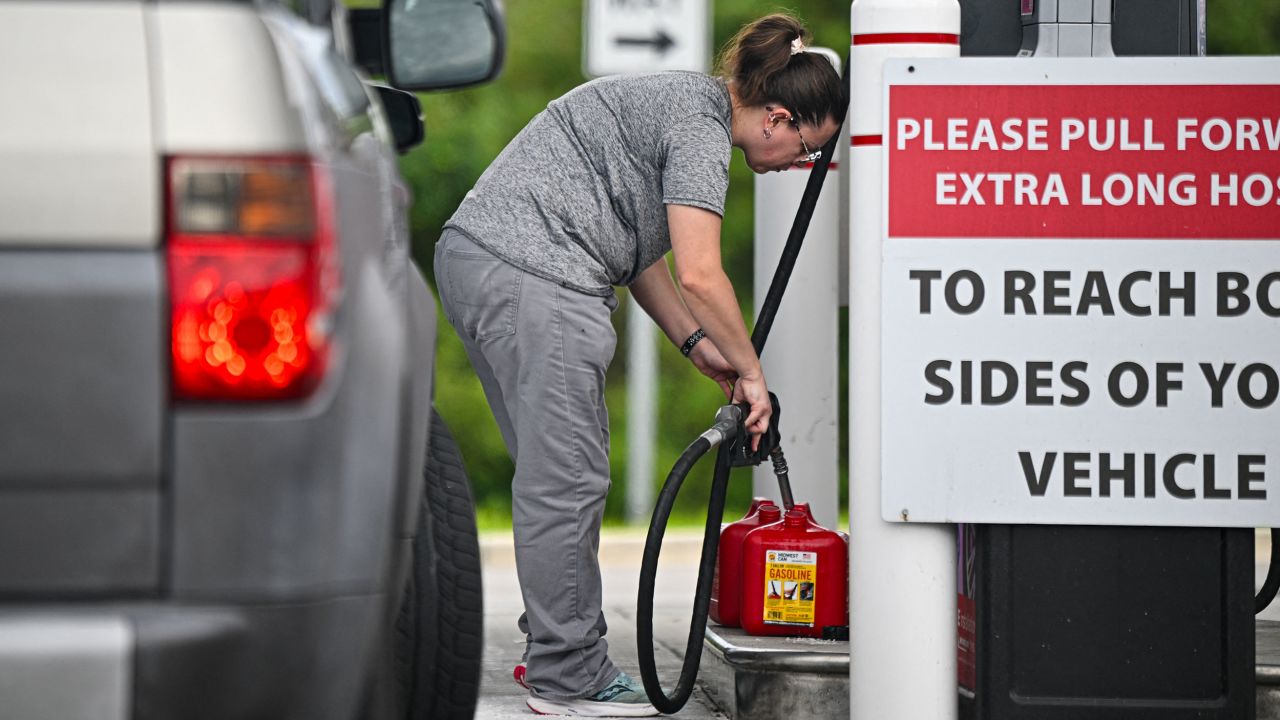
(1081, 292)
(634, 36)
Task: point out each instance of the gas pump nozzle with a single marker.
(727, 426)
(741, 454)
(770, 447)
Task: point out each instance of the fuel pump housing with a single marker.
(1100, 623)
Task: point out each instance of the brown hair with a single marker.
(759, 62)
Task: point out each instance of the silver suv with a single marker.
(223, 491)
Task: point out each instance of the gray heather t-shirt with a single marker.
(579, 196)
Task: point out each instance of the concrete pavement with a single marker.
(620, 552)
(502, 699)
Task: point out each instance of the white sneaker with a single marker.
(624, 697)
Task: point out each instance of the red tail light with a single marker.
(253, 276)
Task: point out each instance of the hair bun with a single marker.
(767, 62)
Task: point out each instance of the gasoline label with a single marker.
(790, 586)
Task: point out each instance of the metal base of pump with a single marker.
(773, 678)
(1267, 673)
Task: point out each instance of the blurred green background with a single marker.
(468, 128)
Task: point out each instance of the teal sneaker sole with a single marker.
(590, 708)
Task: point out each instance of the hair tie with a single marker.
(797, 45)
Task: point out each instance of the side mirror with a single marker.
(436, 44)
(404, 115)
(365, 29)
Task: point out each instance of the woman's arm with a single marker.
(709, 297)
(656, 293)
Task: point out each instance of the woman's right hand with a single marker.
(707, 358)
(752, 390)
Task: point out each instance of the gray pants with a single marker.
(541, 352)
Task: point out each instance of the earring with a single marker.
(768, 134)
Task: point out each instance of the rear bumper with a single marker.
(40, 655)
(153, 661)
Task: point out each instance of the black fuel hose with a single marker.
(720, 480)
(649, 567)
(701, 599)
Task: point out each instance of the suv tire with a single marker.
(440, 629)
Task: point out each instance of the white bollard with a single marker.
(902, 599)
(801, 360)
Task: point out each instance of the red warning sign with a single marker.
(1086, 161)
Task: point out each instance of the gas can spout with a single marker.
(784, 479)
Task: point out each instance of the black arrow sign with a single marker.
(662, 42)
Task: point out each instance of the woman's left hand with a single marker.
(707, 358)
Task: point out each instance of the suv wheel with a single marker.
(440, 629)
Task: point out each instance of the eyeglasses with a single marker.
(808, 156)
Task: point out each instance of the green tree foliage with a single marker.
(1243, 27)
(466, 130)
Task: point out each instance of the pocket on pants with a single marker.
(485, 293)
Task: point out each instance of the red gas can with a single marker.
(808, 511)
(794, 578)
(726, 584)
(756, 502)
